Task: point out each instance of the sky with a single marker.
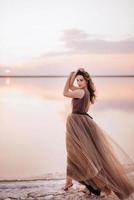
(53, 37)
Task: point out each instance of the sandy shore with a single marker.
(48, 188)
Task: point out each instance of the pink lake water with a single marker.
(33, 113)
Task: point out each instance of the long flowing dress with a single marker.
(93, 156)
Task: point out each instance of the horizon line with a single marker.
(62, 76)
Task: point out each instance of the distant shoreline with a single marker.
(64, 76)
(47, 177)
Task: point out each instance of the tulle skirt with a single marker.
(94, 157)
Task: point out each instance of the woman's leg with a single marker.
(68, 179)
(68, 183)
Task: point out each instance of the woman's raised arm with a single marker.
(73, 75)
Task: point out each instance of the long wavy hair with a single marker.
(90, 84)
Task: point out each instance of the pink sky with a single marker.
(46, 37)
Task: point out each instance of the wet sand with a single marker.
(49, 187)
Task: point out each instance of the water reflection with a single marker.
(33, 116)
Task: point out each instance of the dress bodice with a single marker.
(81, 104)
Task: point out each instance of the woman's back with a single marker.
(81, 105)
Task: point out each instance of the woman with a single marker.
(91, 159)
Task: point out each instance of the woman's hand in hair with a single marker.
(75, 72)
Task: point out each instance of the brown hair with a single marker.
(90, 84)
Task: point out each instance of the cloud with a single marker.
(78, 41)
(98, 56)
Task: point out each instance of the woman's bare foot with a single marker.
(68, 184)
(85, 190)
(105, 193)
